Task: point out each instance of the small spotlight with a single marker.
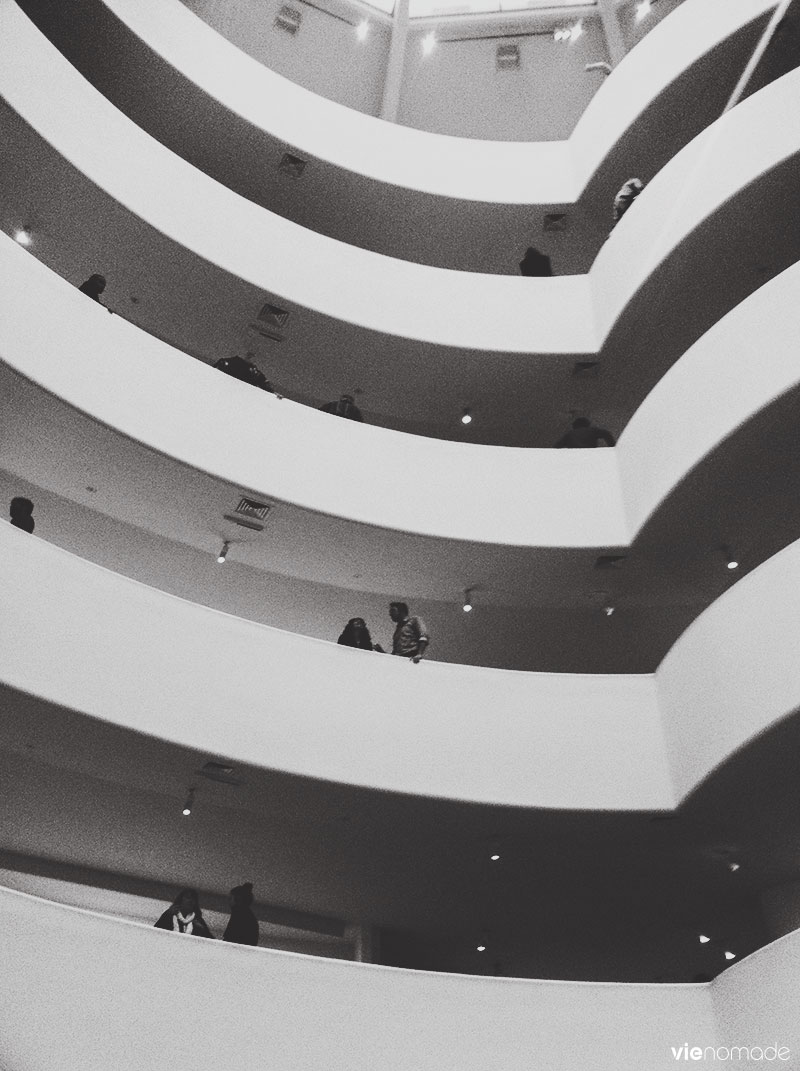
(223, 554)
(428, 43)
(482, 948)
(730, 955)
(643, 9)
(576, 31)
(733, 867)
(362, 30)
(494, 857)
(23, 236)
(187, 807)
(732, 563)
(467, 607)
(731, 560)
(466, 417)
(609, 610)
(703, 939)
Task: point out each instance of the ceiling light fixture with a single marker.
(609, 610)
(362, 30)
(482, 948)
(187, 807)
(643, 9)
(223, 554)
(733, 867)
(731, 560)
(730, 955)
(494, 857)
(703, 939)
(428, 43)
(466, 416)
(23, 236)
(467, 607)
(576, 31)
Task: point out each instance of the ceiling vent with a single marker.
(249, 508)
(292, 165)
(258, 327)
(555, 221)
(586, 369)
(218, 771)
(609, 561)
(288, 20)
(273, 315)
(508, 57)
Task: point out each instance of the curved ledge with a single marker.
(404, 309)
(366, 177)
(320, 1012)
(97, 643)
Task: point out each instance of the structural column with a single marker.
(397, 58)
(612, 30)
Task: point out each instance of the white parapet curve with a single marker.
(111, 990)
(372, 292)
(88, 639)
(454, 168)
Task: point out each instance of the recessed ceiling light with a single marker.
(428, 43)
(609, 610)
(730, 955)
(23, 236)
(362, 30)
(466, 417)
(494, 857)
(482, 948)
(187, 807)
(223, 554)
(703, 939)
(467, 607)
(733, 866)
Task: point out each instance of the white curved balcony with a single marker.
(92, 641)
(434, 328)
(365, 179)
(300, 1011)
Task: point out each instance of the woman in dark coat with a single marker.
(185, 916)
(356, 634)
(242, 928)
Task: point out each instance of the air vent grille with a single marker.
(257, 327)
(586, 369)
(508, 57)
(288, 20)
(273, 315)
(292, 165)
(555, 221)
(250, 508)
(218, 771)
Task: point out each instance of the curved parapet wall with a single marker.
(376, 175)
(56, 338)
(402, 310)
(253, 1007)
(101, 644)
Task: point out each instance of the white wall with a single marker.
(252, 1007)
(734, 672)
(755, 1005)
(125, 653)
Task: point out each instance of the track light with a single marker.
(362, 30)
(467, 607)
(466, 417)
(23, 236)
(731, 560)
(428, 43)
(187, 807)
(703, 939)
(223, 554)
(643, 9)
(730, 955)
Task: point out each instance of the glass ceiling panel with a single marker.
(422, 8)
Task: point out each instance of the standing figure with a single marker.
(94, 287)
(21, 513)
(584, 434)
(242, 928)
(345, 407)
(410, 635)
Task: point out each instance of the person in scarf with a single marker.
(185, 916)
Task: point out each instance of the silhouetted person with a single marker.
(584, 434)
(185, 916)
(245, 371)
(345, 407)
(94, 287)
(535, 263)
(242, 928)
(356, 634)
(625, 198)
(21, 511)
(410, 635)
